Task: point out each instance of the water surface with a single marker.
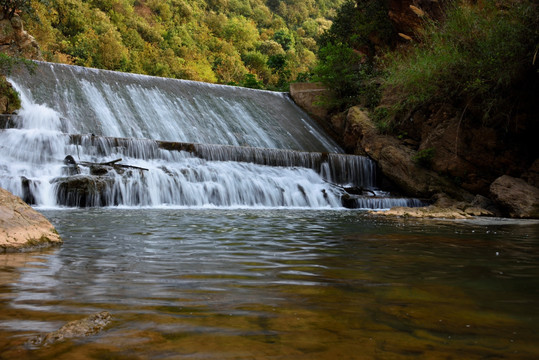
(276, 284)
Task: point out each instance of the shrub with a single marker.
(424, 157)
(349, 76)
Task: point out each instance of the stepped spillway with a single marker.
(87, 137)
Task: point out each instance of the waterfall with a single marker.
(110, 103)
(87, 137)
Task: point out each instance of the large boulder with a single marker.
(84, 190)
(23, 228)
(520, 199)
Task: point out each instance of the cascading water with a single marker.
(118, 104)
(135, 118)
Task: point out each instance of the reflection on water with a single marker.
(275, 284)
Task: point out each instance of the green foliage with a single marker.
(473, 56)
(11, 7)
(424, 157)
(381, 118)
(10, 96)
(284, 38)
(357, 23)
(210, 40)
(346, 57)
(8, 63)
(250, 81)
(348, 74)
(277, 62)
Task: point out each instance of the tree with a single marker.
(12, 7)
(358, 23)
(284, 38)
(347, 52)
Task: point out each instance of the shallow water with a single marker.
(276, 284)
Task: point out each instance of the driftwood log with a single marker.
(70, 160)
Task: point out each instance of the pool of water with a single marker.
(276, 284)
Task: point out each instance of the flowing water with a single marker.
(225, 237)
(110, 103)
(276, 284)
(179, 145)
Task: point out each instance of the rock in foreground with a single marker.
(23, 228)
(519, 198)
(435, 212)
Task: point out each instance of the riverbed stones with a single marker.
(21, 227)
(520, 199)
(88, 326)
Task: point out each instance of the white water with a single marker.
(118, 104)
(135, 107)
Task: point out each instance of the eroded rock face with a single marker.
(23, 228)
(520, 199)
(395, 160)
(469, 151)
(15, 41)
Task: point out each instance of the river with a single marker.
(184, 283)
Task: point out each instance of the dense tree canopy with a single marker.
(210, 40)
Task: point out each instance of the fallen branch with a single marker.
(355, 190)
(113, 163)
(108, 163)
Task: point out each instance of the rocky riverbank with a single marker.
(467, 136)
(23, 228)
(494, 191)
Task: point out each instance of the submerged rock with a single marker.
(23, 228)
(90, 325)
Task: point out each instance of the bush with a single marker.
(8, 63)
(348, 75)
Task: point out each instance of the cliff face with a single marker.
(473, 152)
(15, 41)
